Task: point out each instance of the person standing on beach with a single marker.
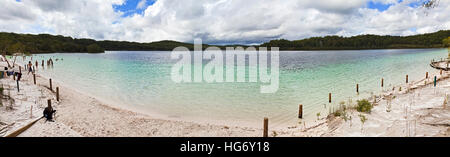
(51, 62)
(42, 64)
(30, 69)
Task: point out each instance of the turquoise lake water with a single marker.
(142, 81)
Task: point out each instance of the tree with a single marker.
(94, 48)
(16, 48)
(446, 42)
(429, 4)
(45, 43)
(4, 44)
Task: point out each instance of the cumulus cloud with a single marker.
(220, 21)
(141, 4)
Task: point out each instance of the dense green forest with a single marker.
(45, 43)
(431, 40)
(447, 42)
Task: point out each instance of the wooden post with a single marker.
(357, 88)
(300, 111)
(426, 75)
(51, 88)
(435, 81)
(406, 78)
(329, 97)
(266, 127)
(382, 82)
(18, 88)
(34, 78)
(49, 102)
(57, 93)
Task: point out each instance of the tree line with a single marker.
(44, 43)
(430, 40)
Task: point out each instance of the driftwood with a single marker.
(3, 130)
(21, 130)
(438, 124)
(436, 66)
(7, 62)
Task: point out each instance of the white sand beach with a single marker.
(81, 115)
(418, 112)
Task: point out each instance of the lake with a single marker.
(141, 81)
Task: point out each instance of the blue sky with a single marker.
(382, 7)
(217, 22)
(379, 6)
(130, 7)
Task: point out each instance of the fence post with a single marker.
(51, 88)
(357, 88)
(300, 111)
(34, 78)
(266, 127)
(435, 81)
(57, 93)
(329, 97)
(18, 88)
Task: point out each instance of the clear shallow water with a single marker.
(142, 81)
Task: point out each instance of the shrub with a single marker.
(337, 113)
(362, 118)
(364, 106)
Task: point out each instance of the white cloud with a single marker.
(141, 4)
(224, 21)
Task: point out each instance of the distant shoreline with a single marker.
(224, 50)
(46, 43)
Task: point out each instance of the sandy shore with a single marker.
(81, 115)
(417, 110)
